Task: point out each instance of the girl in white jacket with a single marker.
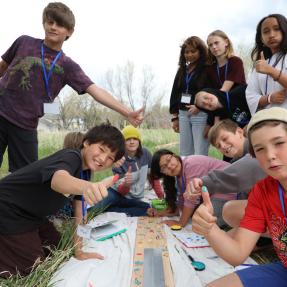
(267, 83)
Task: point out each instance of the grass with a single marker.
(42, 273)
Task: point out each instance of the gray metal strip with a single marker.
(153, 268)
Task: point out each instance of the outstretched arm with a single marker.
(105, 98)
(65, 183)
(230, 179)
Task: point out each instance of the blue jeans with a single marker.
(118, 203)
(191, 128)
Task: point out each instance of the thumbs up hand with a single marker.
(203, 219)
(262, 66)
(262, 56)
(193, 191)
(136, 117)
(206, 200)
(128, 177)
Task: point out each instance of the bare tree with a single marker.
(114, 83)
(124, 84)
(244, 52)
(147, 85)
(88, 112)
(69, 110)
(128, 82)
(157, 115)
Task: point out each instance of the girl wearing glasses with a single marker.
(176, 174)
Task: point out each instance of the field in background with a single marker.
(50, 142)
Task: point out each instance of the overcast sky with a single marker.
(146, 32)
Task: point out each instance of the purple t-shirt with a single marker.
(196, 166)
(22, 87)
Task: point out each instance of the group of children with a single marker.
(265, 210)
(235, 110)
(202, 95)
(210, 82)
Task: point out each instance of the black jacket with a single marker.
(236, 108)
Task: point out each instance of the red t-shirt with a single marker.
(264, 211)
(234, 73)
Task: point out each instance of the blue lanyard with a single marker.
(182, 184)
(280, 191)
(85, 175)
(47, 77)
(188, 78)
(266, 81)
(228, 100)
(225, 72)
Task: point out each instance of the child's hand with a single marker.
(136, 117)
(193, 190)
(278, 97)
(171, 222)
(175, 126)
(81, 255)
(151, 212)
(128, 177)
(203, 219)
(120, 162)
(95, 192)
(261, 65)
(192, 109)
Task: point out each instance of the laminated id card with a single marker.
(52, 108)
(84, 231)
(185, 98)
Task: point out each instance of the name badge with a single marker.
(185, 98)
(84, 231)
(52, 108)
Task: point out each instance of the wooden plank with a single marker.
(150, 234)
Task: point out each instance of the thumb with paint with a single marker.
(108, 182)
(206, 199)
(97, 191)
(203, 219)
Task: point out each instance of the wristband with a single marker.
(269, 98)
(174, 119)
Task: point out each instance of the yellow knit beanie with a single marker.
(131, 132)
